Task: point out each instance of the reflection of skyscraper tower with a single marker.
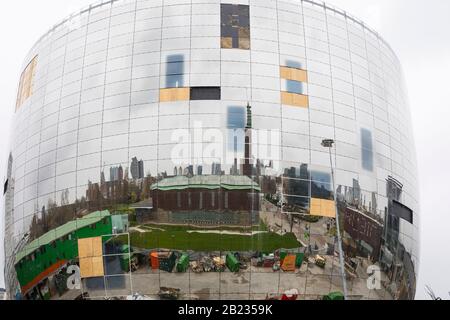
(134, 168)
(141, 169)
(216, 169)
(120, 171)
(247, 167)
(102, 178)
(234, 170)
(356, 201)
(137, 169)
(304, 171)
(392, 222)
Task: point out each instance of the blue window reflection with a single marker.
(236, 118)
(175, 71)
(293, 64)
(366, 150)
(236, 125)
(321, 187)
(294, 86)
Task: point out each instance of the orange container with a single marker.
(288, 263)
(154, 260)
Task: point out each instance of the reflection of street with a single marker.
(255, 284)
(318, 235)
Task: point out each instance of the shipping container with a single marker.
(167, 261)
(232, 263)
(289, 263)
(154, 260)
(183, 263)
(299, 259)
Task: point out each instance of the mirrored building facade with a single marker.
(173, 148)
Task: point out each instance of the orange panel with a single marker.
(289, 263)
(174, 94)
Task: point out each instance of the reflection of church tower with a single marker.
(247, 167)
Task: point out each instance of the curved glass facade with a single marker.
(175, 148)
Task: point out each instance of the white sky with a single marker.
(418, 31)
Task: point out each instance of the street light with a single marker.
(328, 143)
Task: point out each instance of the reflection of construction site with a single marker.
(243, 275)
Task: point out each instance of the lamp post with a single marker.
(328, 143)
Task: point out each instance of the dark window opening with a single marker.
(205, 93)
(5, 187)
(401, 211)
(296, 187)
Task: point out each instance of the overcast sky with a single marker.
(418, 31)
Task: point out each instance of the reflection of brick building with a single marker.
(206, 193)
(365, 230)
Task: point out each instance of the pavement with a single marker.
(252, 284)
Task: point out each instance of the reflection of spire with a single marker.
(249, 116)
(247, 167)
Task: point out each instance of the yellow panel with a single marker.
(84, 248)
(293, 74)
(226, 42)
(90, 253)
(97, 247)
(174, 94)
(90, 247)
(26, 83)
(294, 99)
(91, 267)
(97, 267)
(86, 267)
(323, 208)
(299, 75)
(244, 43)
(244, 38)
(300, 100)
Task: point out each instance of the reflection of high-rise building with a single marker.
(137, 169)
(356, 200)
(216, 169)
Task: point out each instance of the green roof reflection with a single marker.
(211, 182)
(61, 231)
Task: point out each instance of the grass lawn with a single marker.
(177, 238)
